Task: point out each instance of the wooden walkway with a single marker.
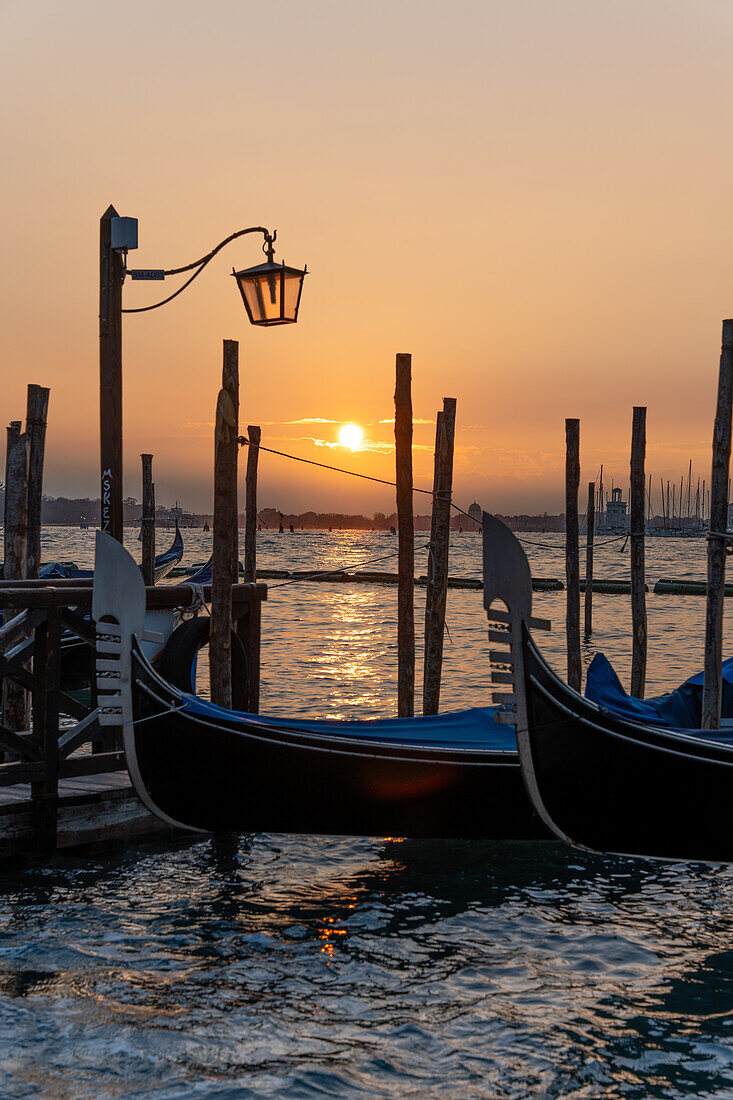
(92, 810)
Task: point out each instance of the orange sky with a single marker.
(533, 198)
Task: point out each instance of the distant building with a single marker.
(614, 518)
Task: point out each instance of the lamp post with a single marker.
(271, 294)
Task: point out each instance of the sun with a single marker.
(351, 435)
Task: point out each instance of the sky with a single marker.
(532, 198)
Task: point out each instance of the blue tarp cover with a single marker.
(465, 729)
(679, 709)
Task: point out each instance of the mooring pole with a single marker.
(713, 674)
(589, 533)
(250, 507)
(439, 550)
(111, 274)
(572, 549)
(406, 540)
(225, 548)
(636, 532)
(14, 698)
(35, 430)
(148, 521)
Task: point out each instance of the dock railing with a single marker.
(37, 615)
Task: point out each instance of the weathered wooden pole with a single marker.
(148, 520)
(572, 550)
(439, 549)
(713, 675)
(15, 701)
(589, 533)
(111, 274)
(636, 532)
(406, 540)
(250, 506)
(225, 548)
(35, 430)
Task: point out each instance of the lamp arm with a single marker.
(201, 264)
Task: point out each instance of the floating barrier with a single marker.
(675, 586)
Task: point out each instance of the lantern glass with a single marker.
(271, 293)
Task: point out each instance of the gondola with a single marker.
(201, 767)
(163, 564)
(598, 780)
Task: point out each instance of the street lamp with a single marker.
(270, 292)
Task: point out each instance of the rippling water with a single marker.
(299, 967)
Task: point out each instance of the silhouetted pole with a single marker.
(148, 521)
(439, 549)
(589, 533)
(250, 506)
(572, 550)
(636, 531)
(35, 430)
(406, 540)
(14, 701)
(713, 675)
(225, 553)
(110, 377)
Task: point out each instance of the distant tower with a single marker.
(616, 512)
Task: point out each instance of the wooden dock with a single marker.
(92, 810)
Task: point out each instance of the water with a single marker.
(296, 967)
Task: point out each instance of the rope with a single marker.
(353, 473)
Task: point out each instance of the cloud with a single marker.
(415, 420)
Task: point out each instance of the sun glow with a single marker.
(351, 435)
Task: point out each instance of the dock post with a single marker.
(35, 430)
(590, 520)
(572, 550)
(250, 507)
(406, 540)
(437, 586)
(46, 686)
(636, 532)
(225, 548)
(148, 521)
(15, 699)
(713, 674)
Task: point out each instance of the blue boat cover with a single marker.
(464, 729)
(679, 709)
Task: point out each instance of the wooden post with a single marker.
(46, 685)
(572, 550)
(636, 532)
(406, 540)
(148, 521)
(589, 534)
(110, 377)
(713, 674)
(439, 547)
(15, 699)
(250, 506)
(35, 430)
(225, 548)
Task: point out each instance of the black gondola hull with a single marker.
(231, 775)
(615, 786)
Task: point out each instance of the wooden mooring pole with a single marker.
(15, 699)
(713, 674)
(406, 540)
(250, 507)
(35, 430)
(590, 520)
(225, 548)
(437, 586)
(572, 550)
(636, 532)
(148, 521)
